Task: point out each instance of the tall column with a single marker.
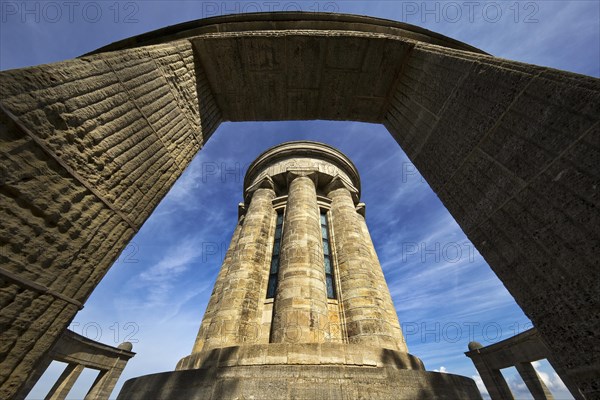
(565, 377)
(105, 383)
(241, 284)
(300, 308)
(536, 386)
(65, 382)
(217, 294)
(492, 378)
(369, 312)
(396, 338)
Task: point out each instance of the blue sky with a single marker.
(444, 292)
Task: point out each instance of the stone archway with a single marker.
(91, 145)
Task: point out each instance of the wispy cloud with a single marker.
(481, 386)
(162, 289)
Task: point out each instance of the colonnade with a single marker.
(518, 351)
(306, 191)
(79, 353)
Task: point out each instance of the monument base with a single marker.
(300, 371)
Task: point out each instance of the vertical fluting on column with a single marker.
(217, 293)
(241, 284)
(370, 317)
(300, 308)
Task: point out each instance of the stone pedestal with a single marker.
(300, 371)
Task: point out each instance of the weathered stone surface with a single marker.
(301, 353)
(300, 305)
(240, 288)
(85, 161)
(369, 313)
(301, 382)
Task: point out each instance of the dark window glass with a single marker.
(272, 284)
(323, 219)
(330, 291)
(274, 265)
(327, 265)
(327, 257)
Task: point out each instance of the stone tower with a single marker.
(301, 267)
(300, 308)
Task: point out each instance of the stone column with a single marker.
(494, 382)
(217, 293)
(241, 284)
(395, 338)
(492, 378)
(104, 384)
(65, 382)
(300, 308)
(370, 316)
(35, 376)
(536, 386)
(107, 379)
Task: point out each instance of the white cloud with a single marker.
(546, 374)
(442, 369)
(161, 289)
(551, 380)
(481, 386)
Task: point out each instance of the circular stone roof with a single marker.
(283, 20)
(302, 148)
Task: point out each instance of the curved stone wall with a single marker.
(301, 382)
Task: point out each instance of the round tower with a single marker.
(301, 308)
(301, 267)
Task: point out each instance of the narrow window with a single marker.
(327, 257)
(272, 285)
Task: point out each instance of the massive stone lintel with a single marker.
(91, 145)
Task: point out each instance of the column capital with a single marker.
(361, 209)
(264, 183)
(339, 182)
(293, 173)
(241, 210)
